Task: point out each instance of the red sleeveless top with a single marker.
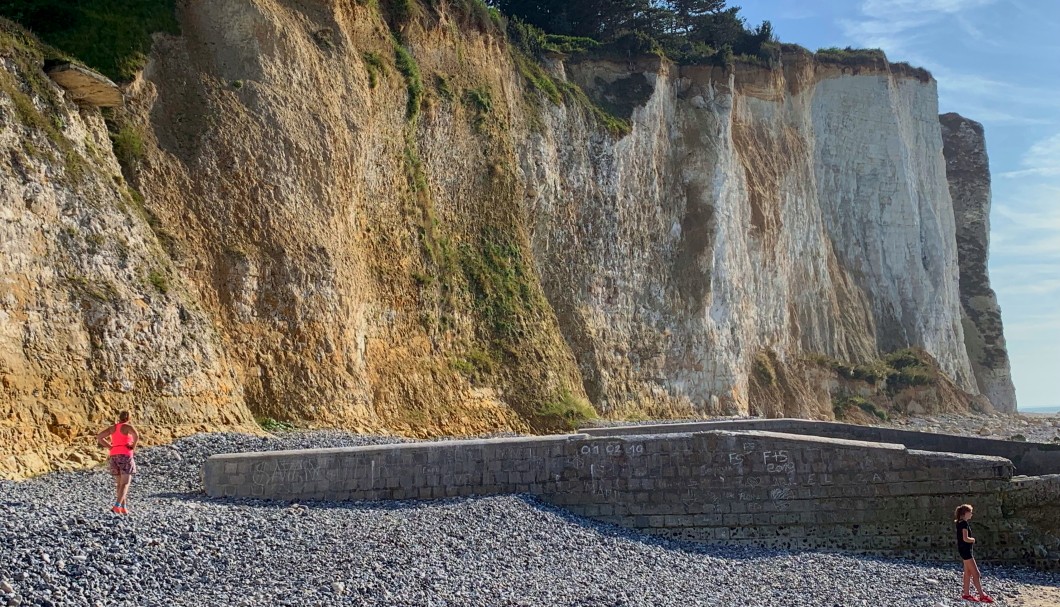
(119, 442)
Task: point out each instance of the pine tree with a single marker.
(688, 12)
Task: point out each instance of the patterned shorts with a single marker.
(121, 464)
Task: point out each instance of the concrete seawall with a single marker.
(751, 487)
(1029, 458)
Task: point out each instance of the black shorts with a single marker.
(966, 553)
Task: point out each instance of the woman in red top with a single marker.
(120, 439)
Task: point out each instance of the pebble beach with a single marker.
(61, 546)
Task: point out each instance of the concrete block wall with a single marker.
(753, 487)
(1031, 459)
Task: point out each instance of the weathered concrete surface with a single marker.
(752, 487)
(968, 173)
(1030, 459)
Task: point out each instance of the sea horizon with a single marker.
(1053, 409)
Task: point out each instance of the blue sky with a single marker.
(996, 62)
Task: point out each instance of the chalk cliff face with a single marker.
(798, 211)
(481, 258)
(968, 171)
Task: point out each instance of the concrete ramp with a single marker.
(746, 487)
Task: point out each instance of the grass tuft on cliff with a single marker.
(269, 424)
(851, 55)
(373, 63)
(614, 125)
(765, 369)
(406, 64)
(112, 36)
(36, 105)
(480, 102)
(567, 412)
(842, 405)
(474, 14)
(475, 363)
(128, 144)
(906, 368)
(499, 281)
(537, 78)
(883, 380)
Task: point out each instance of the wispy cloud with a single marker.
(886, 8)
(990, 115)
(1035, 328)
(1025, 244)
(993, 99)
(1030, 270)
(1040, 287)
(893, 24)
(1041, 159)
(1035, 249)
(974, 32)
(796, 12)
(1035, 12)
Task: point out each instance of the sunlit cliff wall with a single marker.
(342, 219)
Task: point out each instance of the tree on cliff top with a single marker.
(683, 29)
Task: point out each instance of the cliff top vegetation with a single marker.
(112, 36)
(687, 31)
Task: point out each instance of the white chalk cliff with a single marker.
(800, 210)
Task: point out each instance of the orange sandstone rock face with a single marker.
(94, 315)
(312, 246)
(368, 263)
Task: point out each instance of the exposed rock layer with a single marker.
(94, 317)
(794, 211)
(86, 86)
(968, 172)
(479, 261)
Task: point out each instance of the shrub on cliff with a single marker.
(128, 145)
(870, 57)
(909, 368)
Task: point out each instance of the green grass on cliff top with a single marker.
(112, 36)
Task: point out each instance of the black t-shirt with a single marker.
(962, 545)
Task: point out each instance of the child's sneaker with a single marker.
(969, 597)
(985, 599)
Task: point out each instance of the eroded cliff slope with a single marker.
(395, 222)
(94, 317)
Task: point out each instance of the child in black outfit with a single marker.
(961, 516)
